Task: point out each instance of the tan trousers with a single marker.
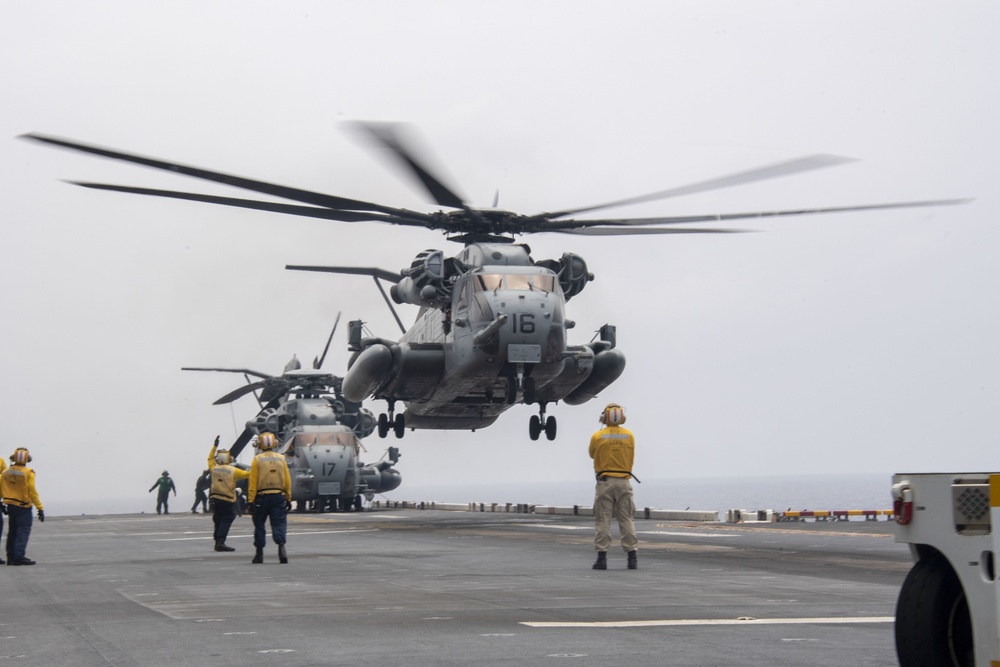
(614, 497)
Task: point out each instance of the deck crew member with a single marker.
(3, 508)
(613, 450)
(166, 485)
(223, 492)
(270, 496)
(17, 484)
(201, 488)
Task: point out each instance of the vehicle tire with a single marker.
(534, 427)
(933, 624)
(550, 428)
(357, 503)
(529, 390)
(399, 425)
(383, 425)
(511, 391)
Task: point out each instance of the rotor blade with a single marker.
(406, 218)
(638, 231)
(240, 442)
(295, 194)
(777, 170)
(245, 371)
(388, 135)
(318, 363)
(567, 225)
(388, 276)
(242, 391)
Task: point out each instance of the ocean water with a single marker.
(779, 493)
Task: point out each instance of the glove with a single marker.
(288, 505)
(3, 508)
(41, 515)
(251, 508)
(216, 441)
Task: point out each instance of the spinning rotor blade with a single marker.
(294, 194)
(639, 231)
(777, 170)
(384, 274)
(288, 209)
(388, 135)
(242, 391)
(245, 371)
(630, 225)
(318, 363)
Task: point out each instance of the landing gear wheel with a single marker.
(383, 425)
(534, 427)
(399, 425)
(357, 503)
(511, 391)
(550, 428)
(933, 624)
(529, 390)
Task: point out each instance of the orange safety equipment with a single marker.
(612, 415)
(267, 441)
(21, 456)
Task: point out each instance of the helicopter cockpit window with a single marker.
(516, 281)
(489, 281)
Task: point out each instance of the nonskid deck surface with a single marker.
(451, 588)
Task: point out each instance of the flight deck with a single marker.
(409, 587)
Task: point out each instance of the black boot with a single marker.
(259, 556)
(220, 545)
(633, 560)
(602, 561)
(282, 556)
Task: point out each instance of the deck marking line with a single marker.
(823, 620)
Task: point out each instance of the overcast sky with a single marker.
(864, 342)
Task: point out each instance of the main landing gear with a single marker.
(387, 421)
(517, 380)
(540, 422)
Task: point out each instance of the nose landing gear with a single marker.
(540, 422)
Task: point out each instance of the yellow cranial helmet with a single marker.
(613, 415)
(21, 456)
(222, 457)
(267, 441)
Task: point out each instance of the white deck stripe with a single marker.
(711, 621)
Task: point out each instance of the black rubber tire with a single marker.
(383, 425)
(933, 624)
(511, 396)
(550, 428)
(399, 425)
(534, 427)
(529, 390)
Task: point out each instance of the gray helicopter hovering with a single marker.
(492, 329)
(319, 432)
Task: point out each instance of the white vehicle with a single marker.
(947, 613)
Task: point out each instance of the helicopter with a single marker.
(491, 330)
(319, 432)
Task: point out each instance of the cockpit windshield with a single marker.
(515, 281)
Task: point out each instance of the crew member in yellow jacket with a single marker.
(613, 451)
(222, 491)
(3, 508)
(270, 496)
(17, 484)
